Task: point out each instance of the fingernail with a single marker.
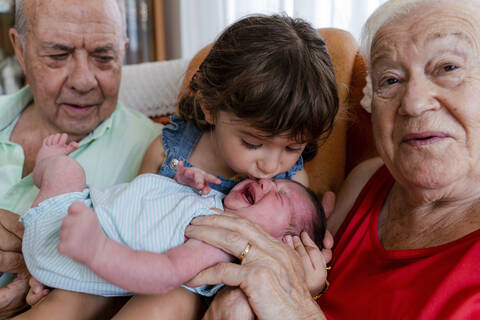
(296, 239)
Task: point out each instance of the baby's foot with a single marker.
(56, 145)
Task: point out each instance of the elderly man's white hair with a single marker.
(395, 9)
(21, 23)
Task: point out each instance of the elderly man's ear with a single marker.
(17, 46)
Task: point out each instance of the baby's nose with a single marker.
(266, 185)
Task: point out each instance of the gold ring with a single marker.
(245, 251)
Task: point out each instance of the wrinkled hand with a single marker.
(195, 178)
(229, 304)
(313, 261)
(12, 297)
(271, 274)
(37, 291)
(80, 236)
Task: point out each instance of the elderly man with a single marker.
(71, 53)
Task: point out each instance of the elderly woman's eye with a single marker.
(388, 82)
(449, 67)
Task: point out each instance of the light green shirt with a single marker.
(111, 154)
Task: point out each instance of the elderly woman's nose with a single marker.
(419, 97)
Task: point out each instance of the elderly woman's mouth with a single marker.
(424, 138)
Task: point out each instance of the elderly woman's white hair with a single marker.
(385, 14)
(21, 23)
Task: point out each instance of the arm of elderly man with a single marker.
(110, 154)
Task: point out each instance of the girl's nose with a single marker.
(268, 165)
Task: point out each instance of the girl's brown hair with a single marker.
(274, 72)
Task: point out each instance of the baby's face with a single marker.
(279, 206)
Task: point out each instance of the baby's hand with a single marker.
(195, 178)
(80, 236)
(312, 259)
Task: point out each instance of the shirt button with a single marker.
(173, 164)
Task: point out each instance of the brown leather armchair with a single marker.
(351, 140)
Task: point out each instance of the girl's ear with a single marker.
(209, 114)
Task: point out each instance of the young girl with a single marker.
(261, 99)
(264, 95)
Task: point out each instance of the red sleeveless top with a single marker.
(369, 282)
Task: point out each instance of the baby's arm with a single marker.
(153, 158)
(136, 271)
(195, 178)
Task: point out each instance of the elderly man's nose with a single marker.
(81, 77)
(419, 97)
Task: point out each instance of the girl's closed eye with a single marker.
(296, 148)
(250, 145)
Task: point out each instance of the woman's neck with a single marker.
(406, 224)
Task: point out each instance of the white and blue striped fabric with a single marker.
(150, 213)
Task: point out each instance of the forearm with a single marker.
(152, 273)
(136, 271)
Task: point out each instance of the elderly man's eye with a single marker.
(60, 56)
(104, 59)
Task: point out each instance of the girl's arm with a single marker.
(351, 188)
(302, 177)
(82, 239)
(153, 158)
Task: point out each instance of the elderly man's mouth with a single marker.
(79, 108)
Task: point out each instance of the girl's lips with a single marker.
(423, 138)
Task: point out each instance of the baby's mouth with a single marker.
(249, 196)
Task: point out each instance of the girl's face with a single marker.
(248, 152)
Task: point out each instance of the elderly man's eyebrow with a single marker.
(106, 48)
(56, 46)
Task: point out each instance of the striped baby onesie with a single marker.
(150, 213)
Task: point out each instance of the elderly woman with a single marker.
(407, 226)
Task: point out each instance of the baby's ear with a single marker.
(328, 203)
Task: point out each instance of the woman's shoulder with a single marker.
(351, 188)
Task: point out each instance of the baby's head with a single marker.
(271, 73)
(279, 206)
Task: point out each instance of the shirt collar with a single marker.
(12, 105)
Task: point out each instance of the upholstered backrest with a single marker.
(351, 140)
